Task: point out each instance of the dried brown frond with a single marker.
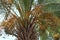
(56, 36)
(42, 28)
(10, 1)
(37, 11)
(9, 23)
(7, 1)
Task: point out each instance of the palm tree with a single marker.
(32, 23)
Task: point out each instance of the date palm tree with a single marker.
(36, 19)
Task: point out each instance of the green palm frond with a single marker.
(28, 4)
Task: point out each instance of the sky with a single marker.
(3, 35)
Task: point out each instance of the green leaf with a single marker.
(48, 1)
(57, 13)
(43, 36)
(21, 3)
(40, 1)
(52, 7)
(27, 4)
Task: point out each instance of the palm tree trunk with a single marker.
(28, 35)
